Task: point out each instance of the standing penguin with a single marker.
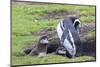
(68, 33)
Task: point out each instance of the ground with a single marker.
(32, 20)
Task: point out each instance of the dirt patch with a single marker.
(86, 28)
(89, 47)
(59, 14)
(49, 32)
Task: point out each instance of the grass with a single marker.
(48, 59)
(27, 18)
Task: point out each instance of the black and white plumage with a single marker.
(44, 40)
(68, 33)
(40, 49)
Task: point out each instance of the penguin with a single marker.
(68, 34)
(40, 49)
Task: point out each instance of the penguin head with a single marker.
(44, 40)
(75, 21)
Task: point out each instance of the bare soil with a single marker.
(59, 14)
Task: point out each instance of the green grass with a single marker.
(48, 59)
(27, 18)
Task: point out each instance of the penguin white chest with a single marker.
(66, 43)
(59, 31)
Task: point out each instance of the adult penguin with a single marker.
(68, 33)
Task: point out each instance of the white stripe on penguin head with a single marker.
(76, 20)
